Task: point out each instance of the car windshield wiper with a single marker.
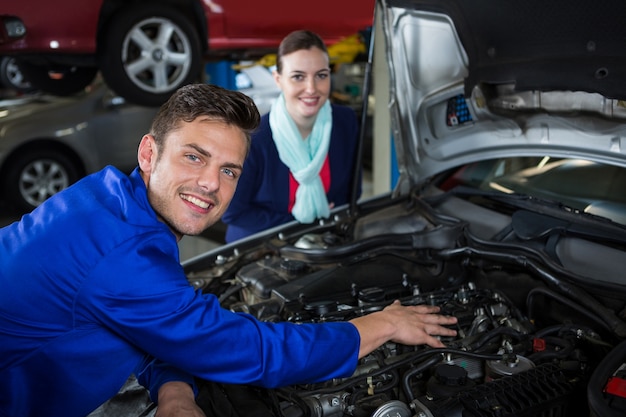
(540, 217)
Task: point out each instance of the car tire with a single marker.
(11, 77)
(139, 65)
(59, 80)
(35, 176)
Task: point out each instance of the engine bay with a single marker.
(529, 337)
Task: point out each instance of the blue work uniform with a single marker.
(92, 291)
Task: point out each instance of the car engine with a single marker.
(528, 336)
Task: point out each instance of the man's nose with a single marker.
(210, 179)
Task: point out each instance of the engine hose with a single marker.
(498, 331)
(340, 252)
(357, 394)
(566, 301)
(291, 396)
(558, 328)
(233, 289)
(412, 358)
(587, 334)
(610, 319)
(437, 238)
(406, 379)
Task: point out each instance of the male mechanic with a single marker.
(93, 291)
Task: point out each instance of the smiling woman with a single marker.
(303, 156)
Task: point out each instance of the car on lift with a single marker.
(145, 50)
(49, 142)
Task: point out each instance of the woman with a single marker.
(302, 157)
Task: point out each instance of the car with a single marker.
(49, 142)
(145, 50)
(508, 124)
(257, 82)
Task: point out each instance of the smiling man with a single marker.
(206, 155)
(93, 290)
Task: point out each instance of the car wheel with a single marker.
(148, 52)
(60, 80)
(11, 76)
(34, 177)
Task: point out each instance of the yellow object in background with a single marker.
(342, 52)
(346, 50)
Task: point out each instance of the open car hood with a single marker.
(477, 79)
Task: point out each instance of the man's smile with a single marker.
(197, 201)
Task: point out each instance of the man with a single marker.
(93, 291)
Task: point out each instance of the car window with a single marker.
(581, 184)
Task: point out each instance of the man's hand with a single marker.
(176, 399)
(409, 325)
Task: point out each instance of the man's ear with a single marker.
(147, 153)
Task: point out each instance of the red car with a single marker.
(147, 49)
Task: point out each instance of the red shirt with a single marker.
(293, 184)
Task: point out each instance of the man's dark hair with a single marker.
(296, 41)
(194, 100)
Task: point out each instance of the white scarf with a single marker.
(304, 158)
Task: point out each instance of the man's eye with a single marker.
(192, 157)
(229, 172)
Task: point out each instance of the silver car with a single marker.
(49, 142)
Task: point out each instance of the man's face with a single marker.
(192, 177)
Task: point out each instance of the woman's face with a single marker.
(305, 82)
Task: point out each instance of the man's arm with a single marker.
(409, 325)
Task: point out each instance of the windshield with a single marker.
(583, 185)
